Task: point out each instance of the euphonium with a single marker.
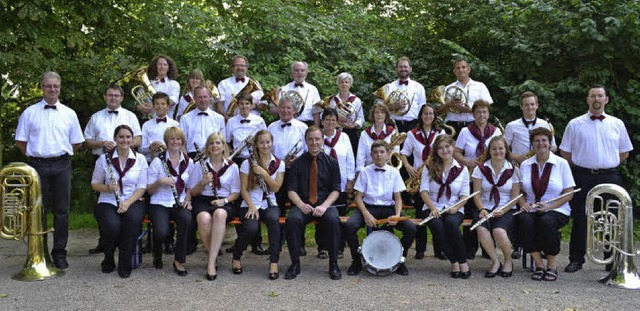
(251, 87)
(143, 94)
(610, 233)
(21, 214)
(215, 96)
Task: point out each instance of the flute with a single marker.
(549, 201)
(205, 170)
(112, 179)
(446, 209)
(261, 182)
(163, 158)
(507, 206)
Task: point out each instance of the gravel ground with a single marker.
(427, 287)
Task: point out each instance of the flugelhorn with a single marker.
(293, 151)
(446, 209)
(21, 214)
(610, 229)
(143, 94)
(537, 205)
(506, 207)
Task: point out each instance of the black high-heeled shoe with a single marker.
(274, 275)
(211, 277)
(456, 274)
(236, 270)
(490, 274)
(179, 272)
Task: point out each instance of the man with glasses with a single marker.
(230, 87)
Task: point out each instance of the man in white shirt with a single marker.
(415, 96)
(198, 124)
(49, 133)
(307, 91)
(231, 87)
(459, 114)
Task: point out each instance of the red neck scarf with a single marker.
(384, 134)
(540, 184)
(181, 168)
(217, 175)
(332, 143)
(121, 172)
(489, 129)
(272, 168)
(350, 99)
(445, 188)
(495, 194)
(425, 140)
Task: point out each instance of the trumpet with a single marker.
(261, 181)
(446, 209)
(537, 205)
(143, 94)
(200, 159)
(242, 145)
(506, 207)
(251, 87)
(293, 151)
(163, 158)
(112, 178)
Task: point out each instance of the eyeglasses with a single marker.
(114, 95)
(51, 86)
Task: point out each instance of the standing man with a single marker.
(230, 87)
(459, 114)
(307, 91)
(405, 113)
(49, 133)
(314, 185)
(198, 124)
(595, 144)
(517, 132)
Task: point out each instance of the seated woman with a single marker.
(214, 186)
(499, 182)
(544, 176)
(260, 181)
(120, 176)
(445, 183)
(167, 177)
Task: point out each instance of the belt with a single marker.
(592, 171)
(51, 159)
(403, 122)
(459, 123)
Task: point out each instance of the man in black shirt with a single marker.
(313, 186)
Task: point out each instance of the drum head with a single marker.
(381, 252)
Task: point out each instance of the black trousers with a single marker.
(446, 231)
(405, 126)
(342, 211)
(586, 180)
(55, 184)
(458, 126)
(160, 217)
(119, 230)
(356, 221)
(354, 137)
(251, 227)
(329, 226)
(470, 237)
(541, 232)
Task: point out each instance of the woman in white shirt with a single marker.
(380, 128)
(120, 210)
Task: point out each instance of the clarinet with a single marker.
(261, 182)
(163, 158)
(205, 170)
(112, 178)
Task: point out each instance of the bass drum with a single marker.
(381, 253)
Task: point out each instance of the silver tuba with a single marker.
(609, 232)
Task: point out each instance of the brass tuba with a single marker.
(610, 233)
(251, 87)
(143, 93)
(21, 214)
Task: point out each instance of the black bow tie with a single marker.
(298, 85)
(244, 121)
(203, 113)
(379, 170)
(240, 80)
(50, 107)
(527, 123)
(113, 111)
(158, 120)
(161, 80)
(285, 124)
(405, 82)
(600, 117)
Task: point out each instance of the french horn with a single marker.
(397, 101)
(455, 94)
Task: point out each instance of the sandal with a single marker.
(538, 274)
(551, 275)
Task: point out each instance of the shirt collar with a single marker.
(131, 154)
(507, 165)
(553, 159)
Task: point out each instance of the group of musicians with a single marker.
(207, 156)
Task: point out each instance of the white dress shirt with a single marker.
(475, 90)
(468, 143)
(135, 178)
(596, 144)
(346, 159)
(169, 87)
(517, 135)
(256, 192)
(357, 117)
(363, 158)
(378, 187)
(230, 87)
(309, 94)
(504, 191)
(198, 127)
(560, 179)
(237, 131)
(182, 105)
(153, 131)
(413, 147)
(49, 132)
(102, 125)
(284, 138)
(459, 188)
(229, 181)
(415, 95)
(164, 195)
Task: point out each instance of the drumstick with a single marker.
(549, 201)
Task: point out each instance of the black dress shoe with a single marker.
(258, 250)
(157, 262)
(419, 255)
(516, 254)
(441, 255)
(303, 251)
(323, 254)
(340, 253)
(108, 266)
(274, 275)
(465, 275)
(60, 262)
(124, 274)
(402, 269)
(292, 271)
(168, 248)
(96, 250)
(573, 267)
(355, 268)
(179, 272)
(456, 274)
(334, 272)
(211, 277)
